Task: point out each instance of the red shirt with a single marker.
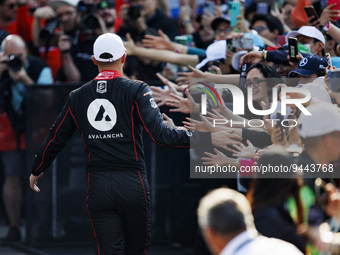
(8, 136)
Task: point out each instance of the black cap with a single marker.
(217, 21)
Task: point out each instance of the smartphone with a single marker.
(234, 11)
(336, 7)
(245, 43)
(229, 45)
(210, 7)
(243, 75)
(280, 118)
(184, 39)
(334, 80)
(293, 49)
(310, 11)
(262, 8)
(334, 75)
(281, 40)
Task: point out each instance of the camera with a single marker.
(134, 11)
(88, 20)
(47, 32)
(14, 62)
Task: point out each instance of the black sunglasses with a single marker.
(12, 6)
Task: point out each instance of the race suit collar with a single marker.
(108, 75)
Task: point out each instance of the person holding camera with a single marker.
(15, 18)
(72, 26)
(76, 47)
(59, 14)
(142, 14)
(106, 10)
(17, 71)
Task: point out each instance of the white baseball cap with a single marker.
(308, 31)
(57, 3)
(108, 47)
(215, 51)
(325, 119)
(235, 61)
(317, 91)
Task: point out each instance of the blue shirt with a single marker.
(19, 89)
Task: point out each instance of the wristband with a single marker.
(326, 28)
(178, 48)
(264, 55)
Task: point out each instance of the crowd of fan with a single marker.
(46, 42)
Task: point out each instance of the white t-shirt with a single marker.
(251, 243)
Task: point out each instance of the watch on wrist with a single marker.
(264, 55)
(325, 28)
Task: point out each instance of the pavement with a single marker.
(20, 248)
(10, 251)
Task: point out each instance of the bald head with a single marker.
(15, 45)
(12, 44)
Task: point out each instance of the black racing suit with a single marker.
(110, 113)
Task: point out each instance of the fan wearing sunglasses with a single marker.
(267, 26)
(106, 10)
(8, 13)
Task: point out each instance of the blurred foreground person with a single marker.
(17, 72)
(320, 135)
(269, 200)
(227, 223)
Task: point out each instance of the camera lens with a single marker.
(14, 63)
(47, 32)
(90, 22)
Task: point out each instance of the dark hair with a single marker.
(323, 49)
(316, 40)
(228, 210)
(275, 191)
(271, 21)
(273, 79)
(250, 9)
(286, 3)
(268, 72)
(329, 38)
(199, 18)
(264, 192)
